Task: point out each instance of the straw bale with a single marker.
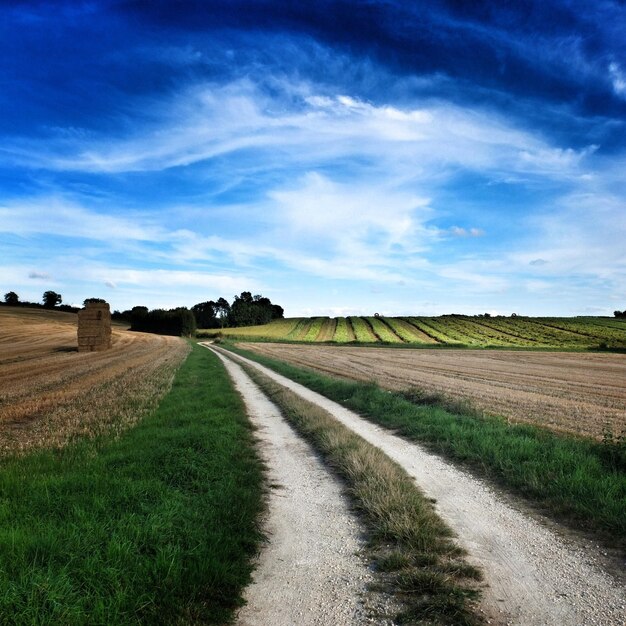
(94, 327)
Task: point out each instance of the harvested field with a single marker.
(51, 393)
(580, 393)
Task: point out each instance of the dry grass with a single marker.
(52, 394)
(579, 393)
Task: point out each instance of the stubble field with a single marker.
(579, 393)
(51, 394)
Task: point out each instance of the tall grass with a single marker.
(579, 481)
(156, 527)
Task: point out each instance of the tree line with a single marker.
(51, 300)
(245, 310)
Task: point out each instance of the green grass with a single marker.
(409, 544)
(461, 331)
(157, 527)
(580, 482)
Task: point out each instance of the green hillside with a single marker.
(448, 330)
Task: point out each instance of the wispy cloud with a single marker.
(618, 79)
(211, 120)
(460, 231)
(39, 276)
(56, 215)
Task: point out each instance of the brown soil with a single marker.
(51, 393)
(580, 393)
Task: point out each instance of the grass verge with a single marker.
(577, 481)
(155, 527)
(408, 542)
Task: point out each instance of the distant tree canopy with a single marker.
(11, 298)
(249, 310)
(180, 321)
(616, 313)
(246, 310)
(51, 299)
(87, 300)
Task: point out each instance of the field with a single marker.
(52, 394)
(448, 330)
(118, 473)
(580, 393)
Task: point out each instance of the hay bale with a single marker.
(94, 327)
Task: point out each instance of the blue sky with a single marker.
(340, 157)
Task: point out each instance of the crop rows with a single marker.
(383, 331)
(452, 330)
(362, 330)
(343, 331)
(314, 329)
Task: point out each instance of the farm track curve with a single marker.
(534, 574)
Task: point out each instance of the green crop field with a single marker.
(446, 330)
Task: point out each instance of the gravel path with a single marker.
(311, 571)
(535, 577)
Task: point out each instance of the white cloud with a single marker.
(211, 120)
(55, 215)
(459, 231)
(618, 79)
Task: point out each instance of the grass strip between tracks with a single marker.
(156, 527)
(578, 481)
(411, 546)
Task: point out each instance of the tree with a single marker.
(223, 310)
(249, 310)
(616, 313)
(11, 298)
(100, 300)
(51, 299)
(205, 314)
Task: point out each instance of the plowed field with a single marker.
(581, 393)
(50, 393)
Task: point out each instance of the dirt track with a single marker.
(311, 572)
(574, 392)
(535, 576)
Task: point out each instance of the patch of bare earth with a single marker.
(535, 575)
(51, 394)
(579, 393)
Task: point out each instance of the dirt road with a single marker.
(575, 392)
(311, 572)
(535, 576)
